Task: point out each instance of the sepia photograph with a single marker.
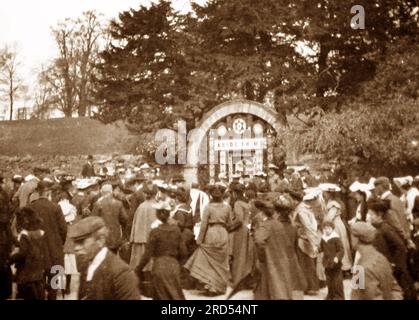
(209, 150)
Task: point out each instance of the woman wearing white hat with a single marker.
(361, 192)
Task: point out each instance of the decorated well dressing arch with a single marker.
(217, 114)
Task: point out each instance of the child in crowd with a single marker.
(332, 249)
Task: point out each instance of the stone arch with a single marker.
(214, 115)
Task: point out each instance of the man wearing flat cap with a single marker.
(395, 216)
(373, 274)
(103, 276)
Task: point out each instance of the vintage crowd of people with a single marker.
(282, 234)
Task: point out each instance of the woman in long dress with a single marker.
(145, 215)
(167, 248)
(209, 264)
(243, 249)
(276, 281)
(333, 213)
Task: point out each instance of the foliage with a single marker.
(11, 85)
(141, 75)
(351, 136)
(380, 125)
(66, 82)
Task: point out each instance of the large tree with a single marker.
(11, 84)
(141, 75)
(70, 74)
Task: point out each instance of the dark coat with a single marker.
(396, 217)
(332, 248)
(6, 237)
(165, 245)
(277, 280)
(55, 227)
(6, 241)
(379, 281)
(88, 171)
(29, 260)
(391, 245)
(115, 216)
(113, 280)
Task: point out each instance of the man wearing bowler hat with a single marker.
(103, 276)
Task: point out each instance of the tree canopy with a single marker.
(300, 57)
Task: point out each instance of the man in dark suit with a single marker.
(55, 228)
(88, 169)
(113, 213)
(395, 216)
(103, 275)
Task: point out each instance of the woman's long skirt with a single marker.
(137, 251)
(209, 263)
(343, 235)
(165, 278)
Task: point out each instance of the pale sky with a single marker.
(26, 24)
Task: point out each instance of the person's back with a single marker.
(275, 252)
(144, 217)
(396, 215)
(113, 213)
(218, 213)
(167, 241)
(30, 257)
(25, 190)
(55, 227)
(390, 244)
(378, 281)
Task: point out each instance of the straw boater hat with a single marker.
(329, 187)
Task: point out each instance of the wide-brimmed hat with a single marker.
(329, 187)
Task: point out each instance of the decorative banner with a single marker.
(240, 144)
